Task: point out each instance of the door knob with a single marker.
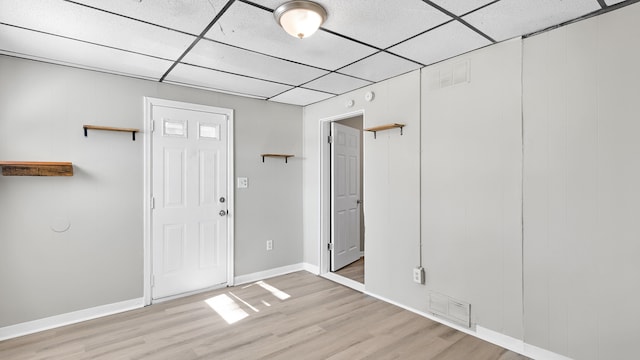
(223, 212)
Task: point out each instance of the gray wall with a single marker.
(99, 259)
(581, 197)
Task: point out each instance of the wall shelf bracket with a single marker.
(375, 129)
(285, 156)
(108, 128)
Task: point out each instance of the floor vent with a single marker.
(451, 309)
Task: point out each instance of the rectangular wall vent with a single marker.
(451, 309)
(455, 74)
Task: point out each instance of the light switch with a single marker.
(243, 183)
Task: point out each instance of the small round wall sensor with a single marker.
(369, 96)
(349, 103)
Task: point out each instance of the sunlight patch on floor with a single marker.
(277, 293)
(230, 306)
(227, 308)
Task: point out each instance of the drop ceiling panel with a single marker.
(613, 2)
(442, 43)
(301, 97)
(336, 83)
(460, 7)
(216, 80)
(379, 67)
(507, 19)
(188, 16)
(227, 58)
(252, 28)
(83, 23)
(380, 23)
(35, 45)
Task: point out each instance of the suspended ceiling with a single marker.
(236, 46)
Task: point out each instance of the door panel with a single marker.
(189, 167)
(345, 190)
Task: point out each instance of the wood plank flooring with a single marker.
(295, 316)
(353, 271)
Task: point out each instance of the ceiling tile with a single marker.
(227, 58)
(460, 7)
(188, 16)
(301, 97)
(507, 19)
(380, 23)
(216, 80)
(253, 28)
(32, 44)
(379, 67)
(442, 43)
(83, 23)
(613, 2)
(336, 83)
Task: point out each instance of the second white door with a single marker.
(345, 195)
(189, 221)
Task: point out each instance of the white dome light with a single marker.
(300, 18)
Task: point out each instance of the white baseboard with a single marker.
(314, 269)
(505, 341)
(34, 326)
(261, 275)
(344, 281)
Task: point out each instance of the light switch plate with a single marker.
(243, 183)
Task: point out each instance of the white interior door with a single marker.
(189, 185)
(345, 193)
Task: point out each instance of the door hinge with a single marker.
(152, 125)
(330, 139)
(330, 246)
(153, 202)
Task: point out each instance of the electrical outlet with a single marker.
(418, 275)
(269, 245)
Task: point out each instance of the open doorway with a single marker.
(342, 245)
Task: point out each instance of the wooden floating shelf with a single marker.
(285, 156)
(109, 128)
(375, 129)
(36, 168)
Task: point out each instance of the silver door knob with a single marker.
(223, 212)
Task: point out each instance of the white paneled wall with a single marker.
(581, 197)
(471, 183)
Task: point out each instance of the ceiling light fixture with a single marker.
(300, 18)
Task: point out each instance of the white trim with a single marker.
(195, 292)
(535, 352)
(357, 286)
(51, 322)
(261, 275)
(231, 198)
(146, 206)
(505, 341)
(149, 102)
(314, 269)
(325, 190)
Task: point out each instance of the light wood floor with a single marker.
(353, 271)
(295, 316)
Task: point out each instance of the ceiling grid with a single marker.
(236, 46)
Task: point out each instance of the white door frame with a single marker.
(325, 194)
(149, 102)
